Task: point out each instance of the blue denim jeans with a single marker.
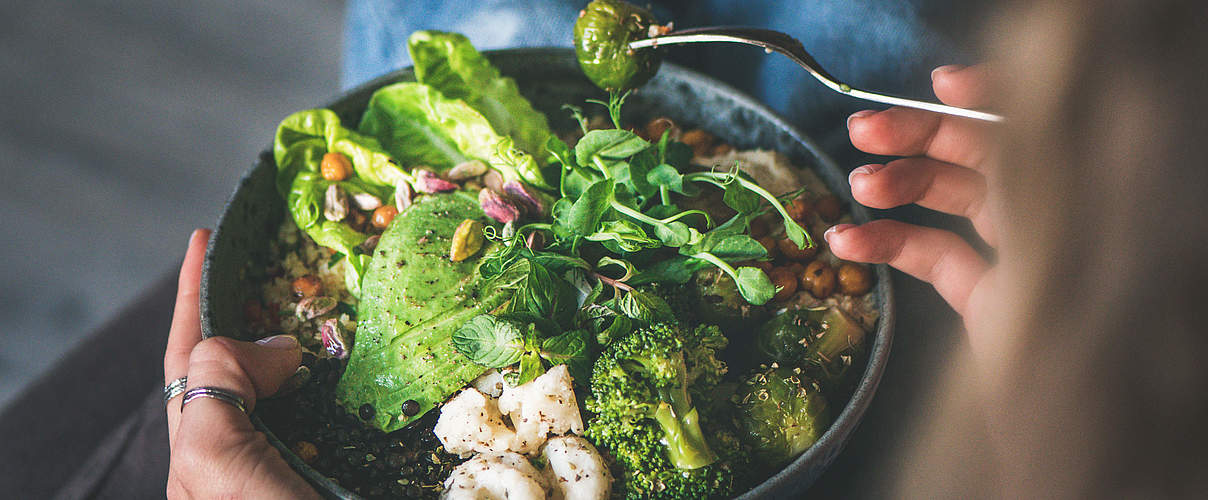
(879, 45)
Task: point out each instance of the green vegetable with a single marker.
(602, 35)
(643, 415)
(413, 300)
(822, 341)
(714, 298)
(621, 176)
(298, 148)
(490, 341)
(419, 126)
(643, 376)
(781, 413)
(450, 64)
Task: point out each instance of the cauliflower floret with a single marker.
(546, 405)
(489, 383)
(471, 422)
(495, 476)
(575, 470)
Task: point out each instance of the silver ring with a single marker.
(174, 388)
(223, 395)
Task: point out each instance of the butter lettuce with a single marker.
(298, 148)
(419, 125)
(450, 64)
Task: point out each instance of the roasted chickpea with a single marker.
(655, 128)
(799, 209)
(307, 286)
(797, 268)
(828, 208)
(818, 279)
(786, 282)
(790, 250)
(769, 244)
(335, 167)
(305, 450)
(383, 215)
(700, 141)
(854, 279)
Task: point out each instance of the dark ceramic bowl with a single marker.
(551, 78)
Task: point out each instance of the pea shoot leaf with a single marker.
(608, 143)
(581, 218)
(627, 236)
(741, 199)
(754, 285)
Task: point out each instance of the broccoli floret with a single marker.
(643, 470)
(704, 370)
(644, 416)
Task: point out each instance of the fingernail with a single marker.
(860, 114)
(836, 229)
(946, 69)
(279, 342)
(864, 170)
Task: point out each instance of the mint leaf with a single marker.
(645, 307)
(490, 341)
(571, 349)
(530, 367)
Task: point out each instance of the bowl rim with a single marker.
(796, 475)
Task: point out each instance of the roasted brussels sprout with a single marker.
(602, 36)
(822, 341)
(780, 413)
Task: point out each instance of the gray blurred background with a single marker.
(126, 124)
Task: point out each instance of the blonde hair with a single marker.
(1100, 383)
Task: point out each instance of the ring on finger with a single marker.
(174, 388)
(220, 394)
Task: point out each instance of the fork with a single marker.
(775, 41)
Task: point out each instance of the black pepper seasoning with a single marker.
(410, 407)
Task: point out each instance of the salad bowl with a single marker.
(550, 78)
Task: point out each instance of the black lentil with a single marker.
(367, 412)
(410, 407)
(403, 462)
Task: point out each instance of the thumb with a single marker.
(251, 370)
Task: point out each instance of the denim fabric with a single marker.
(881, 45)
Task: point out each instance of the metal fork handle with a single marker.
(779, 42)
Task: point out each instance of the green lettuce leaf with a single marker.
(449, 63)
(420, 126)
